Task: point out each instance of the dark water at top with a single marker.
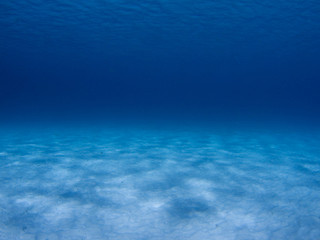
(206, 58)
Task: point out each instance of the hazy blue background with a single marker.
(160, 58)
(180, 119)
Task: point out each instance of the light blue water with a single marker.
(146, 183)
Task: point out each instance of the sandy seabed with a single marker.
(135, 184)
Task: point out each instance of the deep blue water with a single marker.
(159, 119)
(244, 57)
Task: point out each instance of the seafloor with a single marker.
(129, 183)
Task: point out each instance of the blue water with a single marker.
(159, 119)
(208, 57)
